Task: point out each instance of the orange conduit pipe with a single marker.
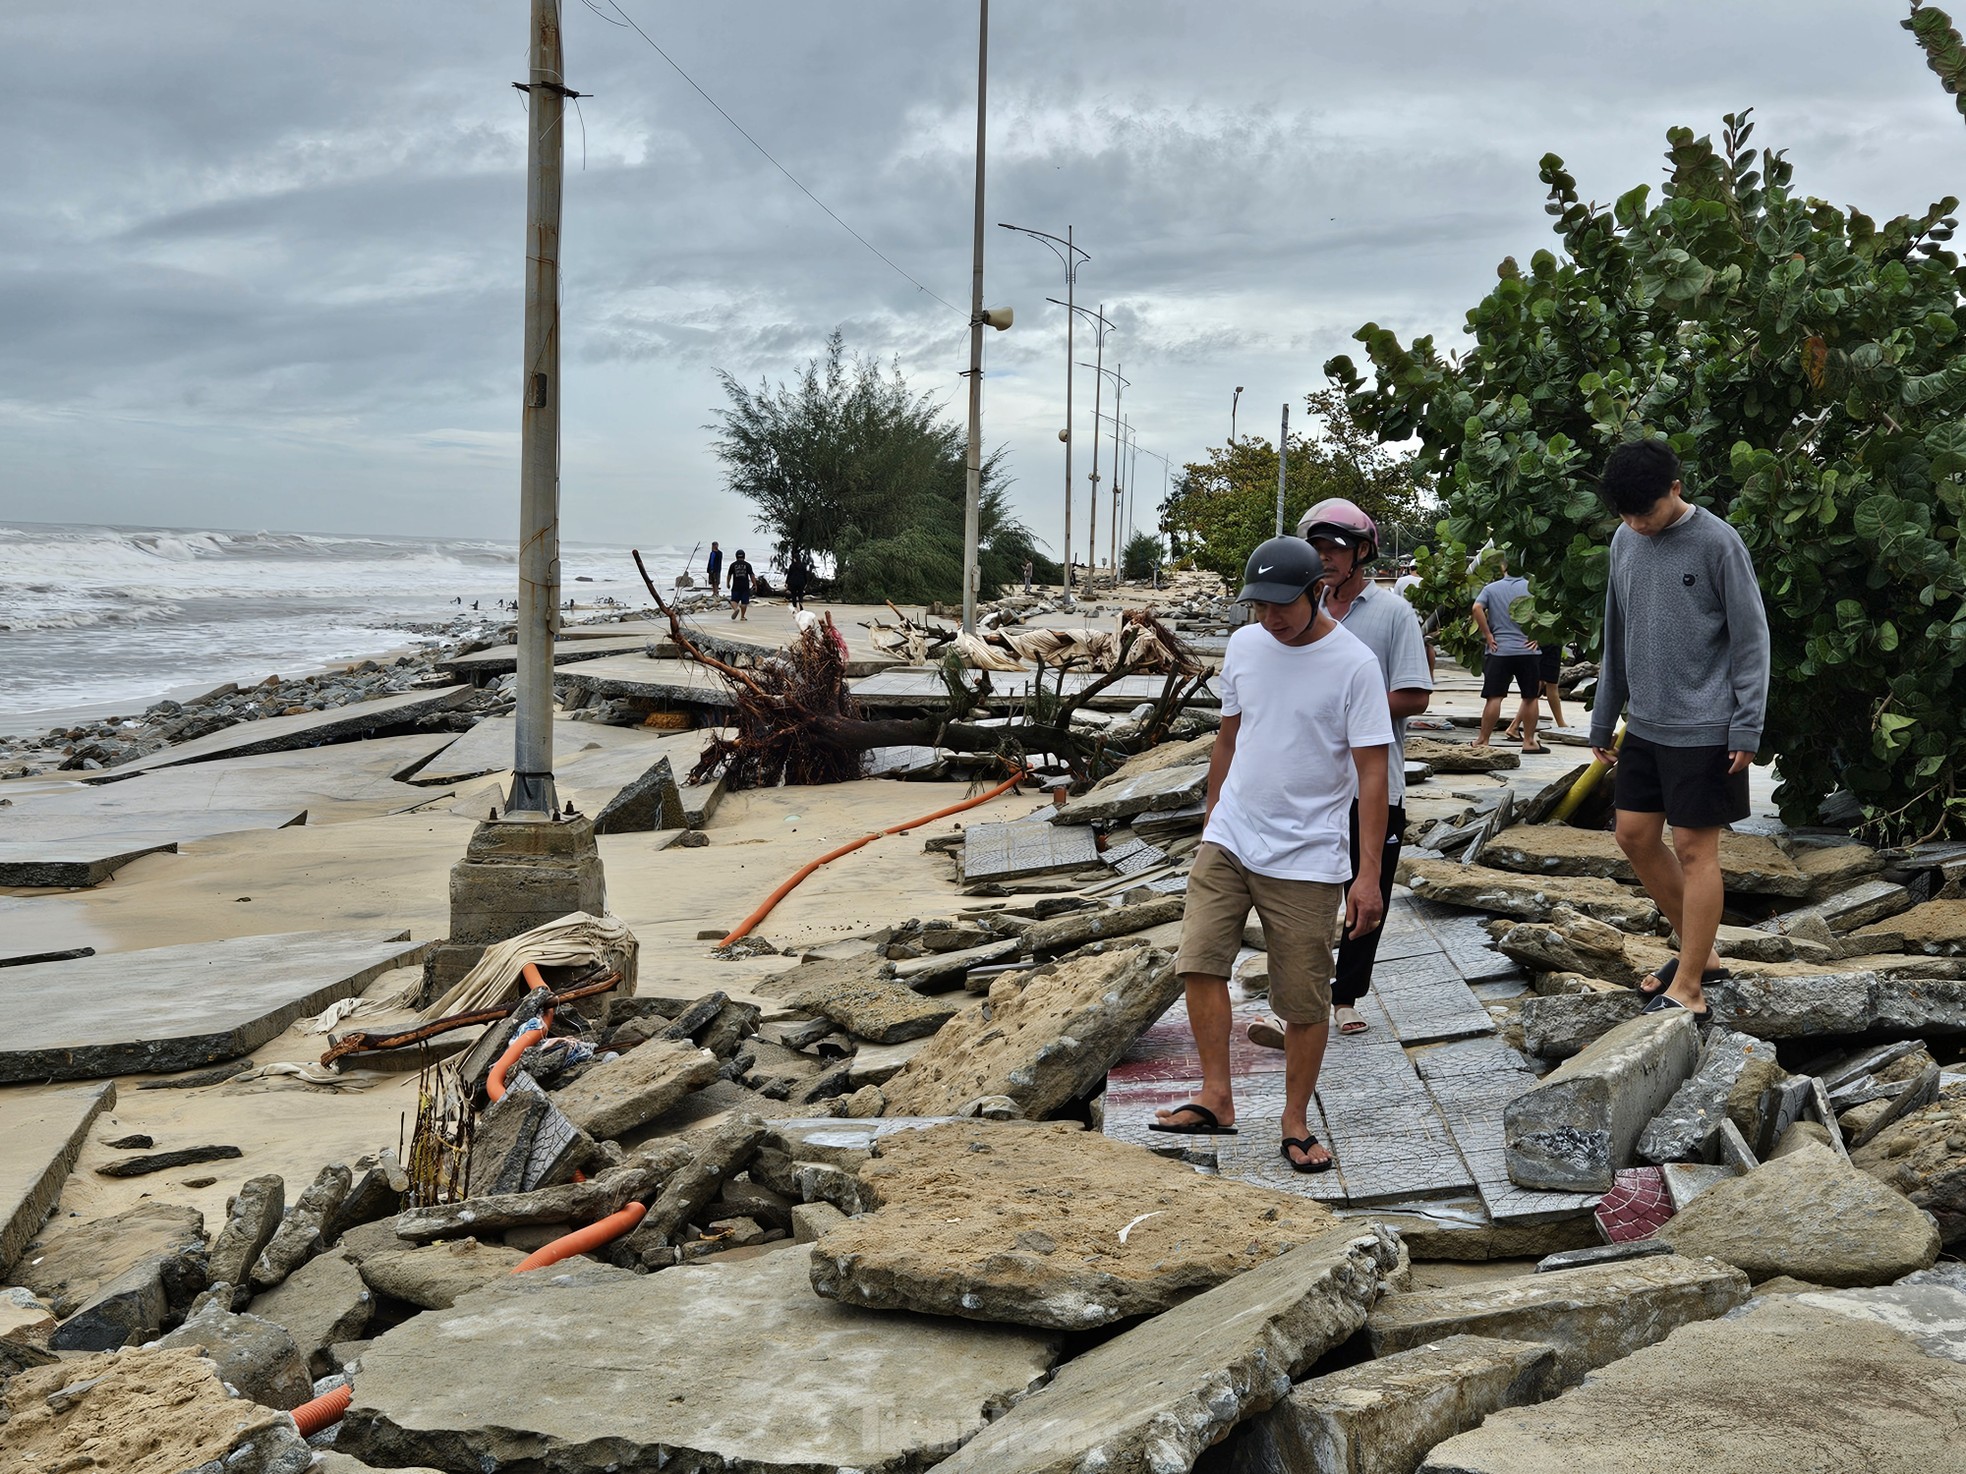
(312, 1417)
(582, 1240)
(495, 1081)
(745, 927)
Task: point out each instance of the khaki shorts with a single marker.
(1300, 926)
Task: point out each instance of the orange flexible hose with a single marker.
(312, 1417)
(581, 1240)
(495, 1080)
(745, 927)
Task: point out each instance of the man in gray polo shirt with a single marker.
(1513, 658)
(1348, 540)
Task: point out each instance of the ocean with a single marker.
(98, 621)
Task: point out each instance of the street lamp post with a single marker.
(1104, 373)
(973, 482)
(1100, 323)
(1234, 399)
(1072, 256)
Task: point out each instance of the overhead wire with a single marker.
(797, 183)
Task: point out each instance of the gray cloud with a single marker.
(262, 265)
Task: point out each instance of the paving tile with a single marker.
(1011, 851)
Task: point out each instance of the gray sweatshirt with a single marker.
(1685, 639)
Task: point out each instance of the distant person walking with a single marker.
(714, 567)
(1027, 575)
(796, 578)
(1686, 663)
(1513, 658)
(741, 577)
(1550, 672)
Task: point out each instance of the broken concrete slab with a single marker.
(1937, 927)
(1927, 1307)
(1834, 867)
(255, 1356)
(573, 1202)
(661, 684)
(1042, 1038)
(1562, 1024)
(175, 1008)
(490, 745)
(1574, 943)
(72, 1265)
(1528, 897)
(480, 666)
(1127, 792)
(437, 1276)
(871, 1007)
(1046, 1225)
(1460, 757)
(1924, 1157)
(78, 852)
(1592, 1316)
(1749, 863)
(1155, 1396)
(300, 1234)
(524, 1142)
(719, 1154)
(769, 1377)
(1382, 1416)
(1582, 1122)
(322, 1303)
(1811, 1215)
(43, 1138)
(1024, 848)
(357, 721)
(618, 1095)
(251, 1219)
(98, 1412)
(1791, 1005)
(1727, 1083)
(648, 801)
(1747, 1392)
(1100, 923)
(1862, 905)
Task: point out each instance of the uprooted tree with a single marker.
(793, 720)
(1804, 361)
(850, 468)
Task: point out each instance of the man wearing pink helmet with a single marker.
(1348, 540)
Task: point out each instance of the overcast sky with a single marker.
(260, 265)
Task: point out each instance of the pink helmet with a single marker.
(1342, 521)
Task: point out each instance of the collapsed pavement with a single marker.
(921, 1145)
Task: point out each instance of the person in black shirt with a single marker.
(796, 578)
(715, 567)
(741, 575)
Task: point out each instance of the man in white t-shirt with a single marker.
(1305, 730)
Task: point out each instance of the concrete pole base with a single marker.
(516, 874)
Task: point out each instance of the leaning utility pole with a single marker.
(539, 426)
(973, 488)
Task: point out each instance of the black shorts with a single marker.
(1549, 665)
(740, 593)
(1689, 785)
(1499, 672)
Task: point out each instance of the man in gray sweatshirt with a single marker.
(1686, 660)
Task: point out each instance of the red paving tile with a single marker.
(1637, 1206)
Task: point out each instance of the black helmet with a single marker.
(1279, 570)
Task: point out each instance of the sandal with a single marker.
(1665, 1003)
(1536, 751)
(1207, 1123)
(1353, 1025)
(1304, 1144)
(1664, 976)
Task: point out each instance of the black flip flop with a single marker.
(1665, 1002)
(1208, 1125)
(1665, 975)
(1304, 1144)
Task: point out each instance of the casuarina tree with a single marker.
(1804, 361)
(846, 465)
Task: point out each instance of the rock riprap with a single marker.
(1047, 1226)
(737, 1367)
(1749, 863)
(1042, 1038)
(1924, 1157)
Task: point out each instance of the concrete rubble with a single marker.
(828, 1166)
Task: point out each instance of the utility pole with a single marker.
(539, 426)
(973, 490)
(1092, 518)
(1283, 460)
(532, 864)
